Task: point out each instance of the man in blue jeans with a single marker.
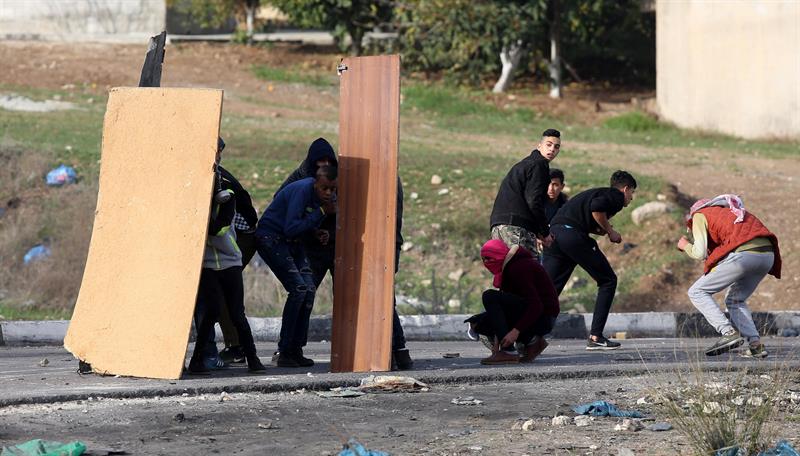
(296, 210)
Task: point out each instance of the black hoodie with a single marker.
(320, 149)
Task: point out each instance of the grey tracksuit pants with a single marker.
(742, 272)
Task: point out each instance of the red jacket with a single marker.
(724, 236)
(526, 278)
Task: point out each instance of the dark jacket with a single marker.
(294, 212)
(551, 208)
(319, 149)
(522, 196)
(523, 276)
(244, 205)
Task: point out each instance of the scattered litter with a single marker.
(391, 384)
(341, 392)
(39, 447)
(629, 425)
(642, 401)
(18, 103)
(468, 400)
(659, 427)
(44, 362)
(353, 448)
(267, 425)
(582, 420)
(451, 355)
(37, 252)
(436, 179)
(560, 420)
(224, 397)
(61, 175)
(603, 408)
(712, 408)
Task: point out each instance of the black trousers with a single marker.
(503, 311)
(572, 247)
(218, 287)
(247, 244)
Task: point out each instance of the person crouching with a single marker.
(522, 311)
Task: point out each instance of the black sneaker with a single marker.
(302, 361)
(233, 354)
(401, 360)
(602, 344)
(725, 343)
(286, 360)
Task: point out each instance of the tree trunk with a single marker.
(509, 57)
(356, 38)
(555, 52)
(251, 16)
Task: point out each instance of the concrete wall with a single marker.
(82, 20)
(731, 66)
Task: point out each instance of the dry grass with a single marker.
(35, 213)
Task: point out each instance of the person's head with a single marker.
(624, 182)
(325, 182)
(550, 144)
(320, 153)
(494, 254)
(556, 184)
(220, 148)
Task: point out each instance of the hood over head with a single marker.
(319, 149)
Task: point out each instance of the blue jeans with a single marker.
(288, 261)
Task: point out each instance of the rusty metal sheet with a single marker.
(369, 127)
(136, 301)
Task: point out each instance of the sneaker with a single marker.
(233, 354)
(254, 364)
(471, 333)
(285, 360)
(755, 351)
(533, 349)
(602, 344)
(302, 361)
(501, 357)
(275, 356)
(725, 343)
(197, 367)
(401, 360)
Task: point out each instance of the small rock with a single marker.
(755, 401)
(454, 303)
(560, 421)
(642, 401)
(458, 171)
(179, 417)
(414, 195)
(527, 425)
(582, 420)
(625, 452)
(224, 397)
(436, 179)
(468, 400)
(661, 197)
(455, 275)
(443, 191)
(408, 245)
(712, 408)
(629, 425)
(44, 362)
(649, 210)
(659, 427)
(267, 425)
(436, 226)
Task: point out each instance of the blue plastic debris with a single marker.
(61, 175)
(603, 408)
(353, 448)
(783, 448)
(37, 252)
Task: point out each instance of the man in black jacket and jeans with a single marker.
(587, 213)
(518, 216)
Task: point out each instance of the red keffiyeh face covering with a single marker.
(495, 254)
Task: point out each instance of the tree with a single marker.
(213, 13)
(343, 18)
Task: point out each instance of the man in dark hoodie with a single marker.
(321, 244)
(518, 216)
(296, 211)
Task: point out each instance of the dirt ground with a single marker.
(424, 423)
(770, 186)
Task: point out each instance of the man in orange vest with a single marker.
(739, 251)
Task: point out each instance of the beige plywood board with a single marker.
(136, 301)
(369, 124)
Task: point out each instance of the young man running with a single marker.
(588, 213)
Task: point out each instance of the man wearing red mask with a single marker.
(739, 251)
(522, 311)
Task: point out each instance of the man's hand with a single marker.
(329, 207)
(547, 240)
(510, 338)
(614, 237)
(682, 243)
(323, 236)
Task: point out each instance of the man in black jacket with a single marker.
(587, 213)
(518, 216)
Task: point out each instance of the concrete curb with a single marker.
(452, 327)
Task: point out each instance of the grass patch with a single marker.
(292, 76)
